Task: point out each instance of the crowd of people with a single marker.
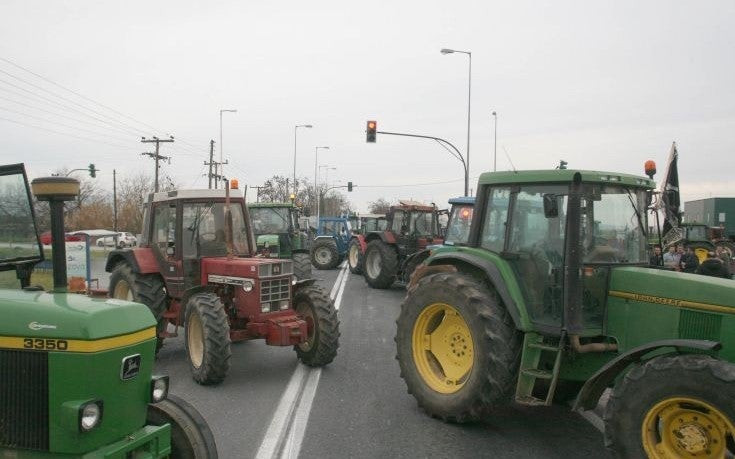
(682, 258)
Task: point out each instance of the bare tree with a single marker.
(379, 206)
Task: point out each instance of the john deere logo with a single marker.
(37, 326)
(130, 367)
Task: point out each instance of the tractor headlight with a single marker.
(247, 286)
(90, 415)
(265, 307)
(283, 304)
(159, 388)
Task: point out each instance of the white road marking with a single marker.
(285, 433)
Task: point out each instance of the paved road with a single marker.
(270, 406)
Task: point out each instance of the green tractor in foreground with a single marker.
(76, 373)
(551, 298)
(278, 235)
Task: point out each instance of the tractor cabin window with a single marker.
(422, 224)
(204, 230)
(270, 220)
(164, 230)
(493, 232)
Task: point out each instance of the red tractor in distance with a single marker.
(388, 255)
(196, 266)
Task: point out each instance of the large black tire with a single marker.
(485, 347)
(148, 289)
(412, 264)
(324, 254)
(207, 338)
(683, 384)
(355, 257)
(301, 266)
(191, 437)
(380, 264)
(314, 305)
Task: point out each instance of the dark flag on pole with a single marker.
(670, 199)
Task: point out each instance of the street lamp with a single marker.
(469, 99)
(295, 130)
(495, 149)
(316, 178)
(327, 168)
(221, 148)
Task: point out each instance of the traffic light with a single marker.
(92, 171)
(349, 186)
(372, 127)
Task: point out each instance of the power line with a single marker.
(415, 184)
(65, 133)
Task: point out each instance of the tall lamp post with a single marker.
(469, 99)
(495, 148)
(326, 168)
(221, 147)
(316, 180)
(295, 130)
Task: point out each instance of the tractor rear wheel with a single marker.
(322, 341)
(191, 437)
(355, 257)
(207, 338)
(301, 266)
(458, 348)
(673, 406)
(324, 254)
(381, 264)
(148, 289)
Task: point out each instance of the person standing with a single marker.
(713, 266)
(656, 258)
(689, 261)
(671, 258)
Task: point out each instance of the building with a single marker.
(712, 212)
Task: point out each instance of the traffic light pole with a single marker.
(444, 143)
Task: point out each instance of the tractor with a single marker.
(460, 219)
(332, 239)
(197, 266)
(694, 235)
(76, 372)
(356, 249)
(410, 228)
(551, 298)
(278, 235)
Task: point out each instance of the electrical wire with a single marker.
(65, 133)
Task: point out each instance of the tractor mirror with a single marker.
(551, 208)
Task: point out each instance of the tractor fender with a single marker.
(385, 236)
(491, 272)
(361, 240)
(140, 259)
(594, 387)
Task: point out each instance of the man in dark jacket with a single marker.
(689, 261)
(713, 266)
(657, 258)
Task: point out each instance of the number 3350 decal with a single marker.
(45, 344)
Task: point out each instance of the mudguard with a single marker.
(141, 260)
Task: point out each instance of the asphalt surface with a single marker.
(271, 406)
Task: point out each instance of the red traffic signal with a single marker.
(372, 129)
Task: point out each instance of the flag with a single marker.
(670, 201)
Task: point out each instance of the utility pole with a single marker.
(114, 200)
(155, 155)
(211, 162)
(257, 192)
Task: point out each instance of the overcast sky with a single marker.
(602, 85)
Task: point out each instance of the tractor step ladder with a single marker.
(533, 348)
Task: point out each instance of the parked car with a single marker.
(124, 239)
(45, 237)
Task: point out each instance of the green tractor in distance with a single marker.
(278, 235)
(694, 235)
(551, 297)
(76, 373)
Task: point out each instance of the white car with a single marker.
(124, 239)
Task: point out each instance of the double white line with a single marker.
(285, 433)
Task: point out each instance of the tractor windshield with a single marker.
(18, 239)
(270, 220)
(204, 230)
(460, 219)
(422, 224)
(613, 225)
(697, 233)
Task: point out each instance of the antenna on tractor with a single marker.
(509, 160)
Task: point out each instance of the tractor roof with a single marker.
(192, 194)
(564, 176)
(463, 200)
(372, 215)
(270, 204)
(412, 205)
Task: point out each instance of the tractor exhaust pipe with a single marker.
(228, 221)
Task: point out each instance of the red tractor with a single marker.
(390, 254)
(196, 266)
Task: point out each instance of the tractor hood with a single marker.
(70, 316)
(233, 271)
(675, 289)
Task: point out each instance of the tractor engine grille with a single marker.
(24, 399)
(275, 289)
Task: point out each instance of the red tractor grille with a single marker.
(275, 289)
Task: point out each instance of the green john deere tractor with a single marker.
(551, 298)
(278, 235)
(76, 373)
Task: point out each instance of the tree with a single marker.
(279, 189)
(379, 206)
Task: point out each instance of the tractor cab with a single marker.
(460, 220)
(279, 235)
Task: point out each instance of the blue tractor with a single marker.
(332, 240)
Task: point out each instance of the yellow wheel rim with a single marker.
(195, 340)
(443, 350)
(123, 291)
(686, 427)
(701, 254)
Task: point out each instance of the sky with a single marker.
(603, 85)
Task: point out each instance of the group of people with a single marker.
(682, 258)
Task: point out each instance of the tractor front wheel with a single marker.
(301, 266)
(191, 437)
(324, 254)
(148, 289)
(355, 257)
(320, 346)
(458, 348)
(207, 338)
(381, 264)
(673, 406)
